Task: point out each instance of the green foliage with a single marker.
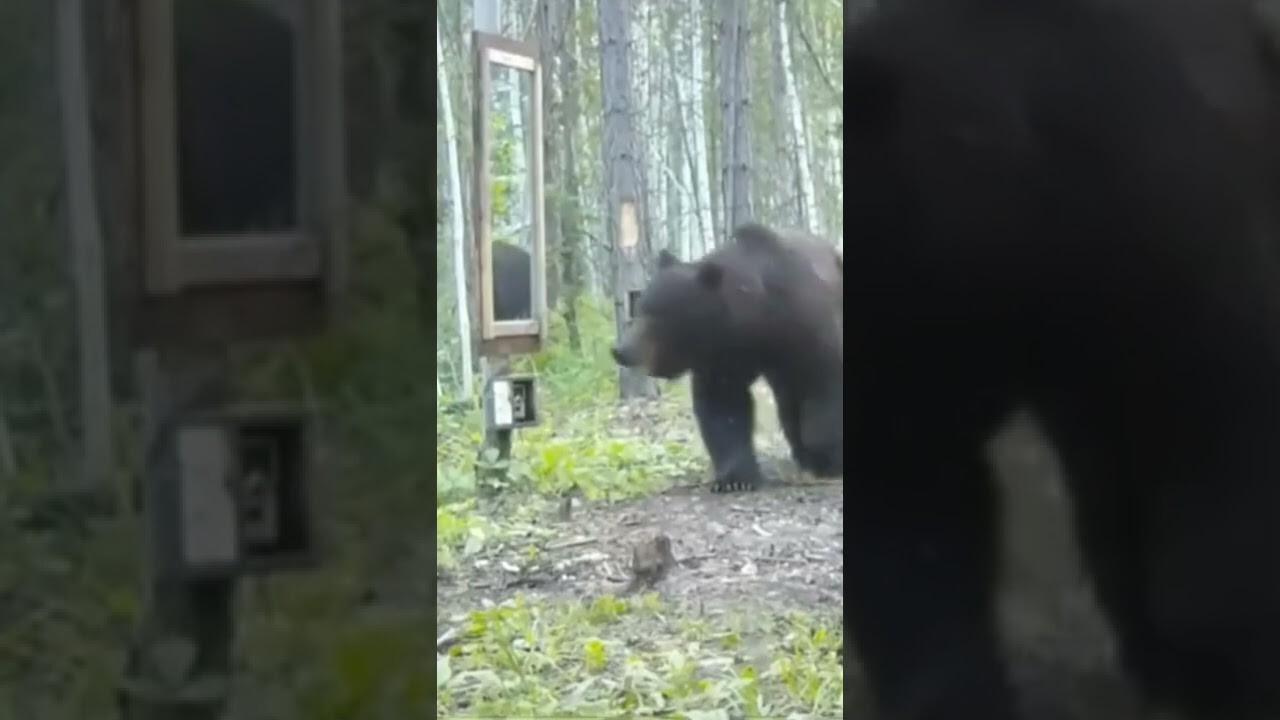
(574, 447)
(601, 658)
(64, 604)
(371, 671)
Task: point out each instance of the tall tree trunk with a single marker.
(810, 215)
(572, 247)
(698, 127)
(624, 213)
(684, 202)
(95, 459)
(467, 385)
(551, 18)
(735, 116)
(783, 198)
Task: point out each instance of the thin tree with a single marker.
(624, 213)
(735, 115)
(808, 212)
(456, 221)
(572, 265)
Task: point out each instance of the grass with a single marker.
(603, 658)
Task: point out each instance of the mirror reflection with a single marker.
(234, 71)
(511, 108)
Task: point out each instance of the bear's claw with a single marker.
(736, 483)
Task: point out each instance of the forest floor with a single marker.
(747, 621)
(771, 550)
(744, 623)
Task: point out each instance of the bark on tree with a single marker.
(550, 17)
(684, 202)
(713, 134)
(808, 212)
(96, 406)
(735, 116)
(458, 239)
(623, 185)
(700, 158)
(572, 240)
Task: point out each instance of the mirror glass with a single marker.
(511, 175)
(236, 108)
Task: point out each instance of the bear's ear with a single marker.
(666, 259)
(710, 275)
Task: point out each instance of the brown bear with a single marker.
(512, 282)
(766, 304)
(1066, 206)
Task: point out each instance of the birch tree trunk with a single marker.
(550, 18)
(683, 200)
(700, 157)
(735, 114)
(646, 110)
(782, 195)
(622, 177)
(456, 223)
(810, 214)
(96, 406)
(572, 249)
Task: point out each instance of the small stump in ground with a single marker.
(651, 559)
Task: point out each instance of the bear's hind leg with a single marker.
(822, 430)
(789, 418)
(725, 412)
(1176, 526)
(921, 552)
(813, 424)
(1213, 588)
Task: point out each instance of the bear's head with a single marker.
(681, 319)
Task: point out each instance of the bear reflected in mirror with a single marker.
(236, 134)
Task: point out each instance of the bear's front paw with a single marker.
(737, 482)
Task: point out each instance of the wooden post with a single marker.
(179, 664)
(488, 18)
(86, 242)
(254, 288)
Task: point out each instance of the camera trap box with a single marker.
(245, 486)
(513, 402)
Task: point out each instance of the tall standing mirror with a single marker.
(509, 229)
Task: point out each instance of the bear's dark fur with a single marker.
(1069, 206)
(512, 282)
(765, 304)
(236, 138)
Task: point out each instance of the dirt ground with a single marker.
(781, 549)
(776, 549)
